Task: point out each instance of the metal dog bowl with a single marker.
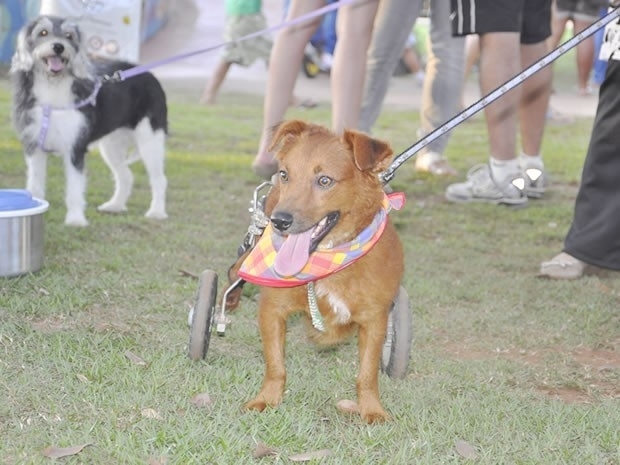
(21, 232)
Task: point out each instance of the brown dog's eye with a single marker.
(325, 181)
(43, 32)
(283, 176)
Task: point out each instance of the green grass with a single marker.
(525, 370)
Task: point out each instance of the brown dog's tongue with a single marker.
(294, 254)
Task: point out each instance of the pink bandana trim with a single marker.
(258, 267)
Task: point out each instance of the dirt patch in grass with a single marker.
(97, 318)
(597, 368)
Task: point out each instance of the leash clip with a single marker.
(115, 77)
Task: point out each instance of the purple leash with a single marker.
(122, 75)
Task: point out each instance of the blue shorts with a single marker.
(530, 18)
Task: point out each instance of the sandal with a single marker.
(562, 266)
(435, 164)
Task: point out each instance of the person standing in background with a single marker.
(243, 17)
(355, 23)
(441, 91)
(582, 13)
(594, 235)
(513, 36)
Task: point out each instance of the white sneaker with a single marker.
(481, 187)
(327, 60)
(535, 181)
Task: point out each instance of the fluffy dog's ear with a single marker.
(368, 153)
(286, 132)
(22, 58)
(82, 67)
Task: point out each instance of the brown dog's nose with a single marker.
(281, 221)
(58, 48)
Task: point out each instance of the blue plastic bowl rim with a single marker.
(19, 202)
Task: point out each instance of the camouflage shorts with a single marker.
(246, 52)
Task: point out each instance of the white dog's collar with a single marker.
(47, 113)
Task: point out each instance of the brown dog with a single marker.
(328, 191)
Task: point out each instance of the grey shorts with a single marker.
(532, 18)
(584, 10)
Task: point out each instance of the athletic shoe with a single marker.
(481, 187)
(535, 181)
(434, 163)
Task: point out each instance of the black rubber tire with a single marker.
(397, 345)
(203, 315)
(310, 68)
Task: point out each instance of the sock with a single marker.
(501, 169)
(532, 161)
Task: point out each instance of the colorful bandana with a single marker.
(258, 267)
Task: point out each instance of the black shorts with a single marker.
(531, 18)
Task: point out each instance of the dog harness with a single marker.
(47, 114)
(258, 267)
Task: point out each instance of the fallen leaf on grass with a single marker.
(151, 413)
(54, 452)
(202, 400)
(263, 450)
(348, 406)
(465, 450)
(307, 456)
(82, 378)
(157, 461)
(188, 273)
(133, 358)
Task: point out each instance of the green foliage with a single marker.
(524, 370)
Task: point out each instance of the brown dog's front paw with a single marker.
(256, 404)
(262, 401)
(375, 416)
(372, 411)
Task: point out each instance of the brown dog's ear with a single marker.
(368, 153)
(286, 131)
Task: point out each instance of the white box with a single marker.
(111, 28)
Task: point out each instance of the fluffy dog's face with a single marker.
(51, 45)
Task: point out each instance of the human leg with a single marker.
(558, 26)
(585, 57)
(393, 24)
(210, 92)
(534, 99)
(499, 62)
(594, 235)
(284, 64)
(354, 27)
(501, 181)
(441, 91)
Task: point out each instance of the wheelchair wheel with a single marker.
(310, 68)
(398, 339)
(202, 315)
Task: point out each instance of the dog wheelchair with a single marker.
(207, 316)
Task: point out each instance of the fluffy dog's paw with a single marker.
(156, 214)
(76, 219)
(111, 207)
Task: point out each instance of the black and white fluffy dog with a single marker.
(61, 104)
